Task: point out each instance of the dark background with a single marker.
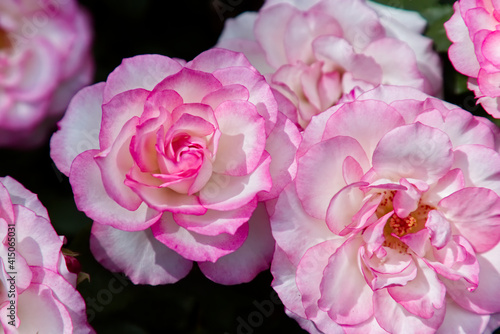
(195, 305)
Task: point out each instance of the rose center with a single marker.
(397, 227)
(186, 148)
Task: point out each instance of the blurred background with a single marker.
(195, 305)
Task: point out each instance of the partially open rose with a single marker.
(38, 292)
(393, 222)
(183, 156)
(313, 53)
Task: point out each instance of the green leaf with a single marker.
(436, 17)
(460, 84)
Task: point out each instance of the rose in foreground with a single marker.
(316, 52)
(474, 31)
(182, 156)
(44, 60)
(393, 221)
(38, 292)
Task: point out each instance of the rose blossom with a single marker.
(38, 292)
(316, 52)
(474, 31)
(44, 60)
(393, 221)
(184, 155)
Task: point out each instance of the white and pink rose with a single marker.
(172, 161)
(392, 224)
(45, 59)
(37, 292)
(314, 53)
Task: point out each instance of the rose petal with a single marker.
(282, 145)
(91, 198)
(251, 258)
(325, 158)
(406, 201)
(194, 246)
(37, 242)
(114, 164)
(424, 296)
(394, 318)
(224, 192)
(118, 112)
(458, 320)
(291, 226)
(413, 151)
(309, 274)
(482, 300)
(284, 283)
(475, 213)
(78, 130)
(144, 71)
(347, 301)
(40, 311)
(216, 222)
(242, 139)
(275, 52)
(65, 293)
(216, 59)
(367, 121)
(480, 165)
(139, 255)
(191, 85)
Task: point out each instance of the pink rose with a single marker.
(38, 292)
(316, 52)
(474, 31)
(393, 221)
(44, 60)
(171, 162)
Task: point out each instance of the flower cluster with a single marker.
(38, 291)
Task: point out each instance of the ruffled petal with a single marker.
(366, 121)
(413, 151)
(475, 213)
(144, 71)
(242, 140)
(394, 318)
(79, 129)
(224, 192)
(347, 301)
(282, 145)
(292, 226)
(325, 158)
(480, 166)
(67, 294)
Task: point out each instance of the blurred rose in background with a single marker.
(315, 53)
(44, 59)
